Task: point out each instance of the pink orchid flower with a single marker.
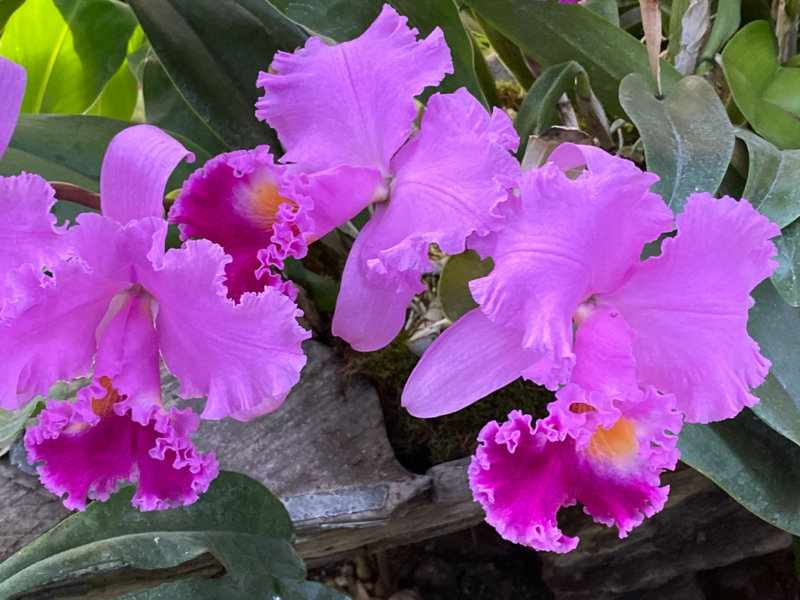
(573, 244)
(111, 310)
(344, 114)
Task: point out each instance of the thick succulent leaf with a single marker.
(776, 327)
(757, 466)
(688, 138)
(537, 112)
(786, 278)
(726, 22)
(342, 20)
(69, 48)
(773, 179)
(764, 91)
(11, 424)
(552, 33)
(213, 52)
(234, 542)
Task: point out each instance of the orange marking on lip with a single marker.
(615, 444)
(264, 201)
(102, 407)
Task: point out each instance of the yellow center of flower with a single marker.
(102, 407)
(264, 201)
(615, 444)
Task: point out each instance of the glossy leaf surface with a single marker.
(688, 138)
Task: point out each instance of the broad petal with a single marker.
(338, 195)
(352, 103)
(244, 357)
(137, 164)
(689, 308)
(472, 358)
(371, 306)
(449, 178)
(12, 90)
(27, 230)
(88, 447)
(564, 240)
(52, 337)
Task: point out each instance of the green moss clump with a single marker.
(422, 443)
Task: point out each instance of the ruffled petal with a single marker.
(448, 179)
(28, 233)
(52, 336)
(51, 322)
(689, 308)
(137, 164)
(522, 476)
(352, 103)
(371, 306)
(472, 358)
(338, 195)
(237, 200)
(90, 446)
(564, 240)
(244, 357)
(604, 444)
(12, 90)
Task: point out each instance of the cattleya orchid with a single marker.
(572, 245)
(344, 114)
(120, 301)
(604, 443)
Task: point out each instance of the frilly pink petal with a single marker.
(689, 308)
(352, 103)
(565, 239)
(248, 205)
(87, 448)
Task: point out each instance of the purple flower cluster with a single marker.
(631, 347)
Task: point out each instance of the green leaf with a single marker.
(554, 33)
(12, 422)
(166, 108)
(776, 327)
(458, 271)
(773, 179)
(786, 278)
(343, 20)
(118, 98)
(238, 531)
(7, 8)
(70, 148)
(764, 91)
(537, 112)
(758, 467)
(507, 52)
(688, 139)
(69, 48)
(726, 22)
(607, 9)
(322, 290)
(213, 52)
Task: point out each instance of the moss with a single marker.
(422, 443)
(510, 94)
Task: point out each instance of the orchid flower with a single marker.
(119, 303)
(604, 444)
(344, 114)
(28, 233)
(572, 244)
